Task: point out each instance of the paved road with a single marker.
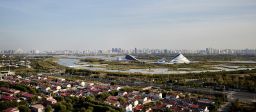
(242, 96)
(225, 107)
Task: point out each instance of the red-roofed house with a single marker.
(4, 89)
(27, 95)
(194, 106)
(7, 98)
(159, 106)
(138, 108)
(113, 100)
(11, 110)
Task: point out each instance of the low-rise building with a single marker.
(50, 100)
(37, 108)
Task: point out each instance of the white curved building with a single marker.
(161, 61)
(180, 59)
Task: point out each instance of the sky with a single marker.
(105, 24)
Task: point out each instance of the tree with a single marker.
(33, 100)
(103, 96)
(90, 98)
(237, 104)
(5, 105)
(114, 93)
(69, 106)
(82, 109)
(60, 107)
(59, 98)
(112, 83)
(4, 84)
(48, 108)
(122, 100)
(23, 108)
(89, 109)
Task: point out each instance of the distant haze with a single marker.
(103, 24)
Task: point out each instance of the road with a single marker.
(242, 96)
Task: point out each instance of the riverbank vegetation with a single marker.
(120, 65)
(23, 65)
(46, 65)
(242, 106)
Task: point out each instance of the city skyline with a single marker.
(174, 24)
(208, 51)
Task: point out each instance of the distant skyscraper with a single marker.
(19, 51)
(165, 51)
(35, 51)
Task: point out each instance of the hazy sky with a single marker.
(103, 24)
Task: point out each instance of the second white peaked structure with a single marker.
(180, 59)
